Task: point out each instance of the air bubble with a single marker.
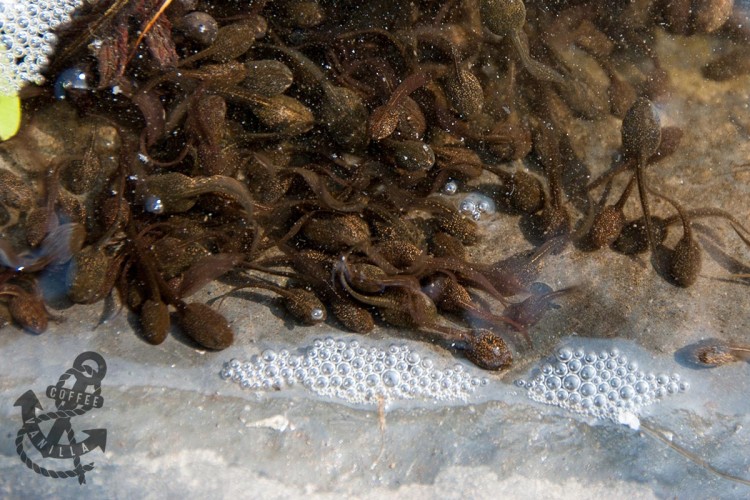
(268, 355)
(450, 188)
(561, 369)
(391, 378)
(376, 374)
(627, 392)
(553, 382)
(574, 365)
(571, 382)
(587, 390)
(564, 354)
(587, 372)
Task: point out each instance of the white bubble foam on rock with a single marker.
(357, 372)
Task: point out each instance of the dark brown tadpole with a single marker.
(204, 325)
(230, 42)
(488, 351)
(303, 304)
(385, 119)
(91, 275)
(463, 88)
(336, 232)
(717, 353)
(351, 315)
(26, 308)
(506, 18)
(341, 111)
(174, 192)
(633, 239)
(685, 261)
(155, 321)
(641, 137)
(610, 220)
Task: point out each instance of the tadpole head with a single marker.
(87, 276)
(284, 114)
(200, 27)
(488, 351)
(204, 325)
(607, 226)
(446, 245)
(352, 316)
(714, 355)
(155, 321)
(305, 306)
(685, 262)
(464, 92)
(525, 193)
(411, 155)
(633, 240)
(502, 16)
(345, 117)
(29, 312)
(455, 224)
(641, 130)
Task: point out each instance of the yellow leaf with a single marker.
(10, 116)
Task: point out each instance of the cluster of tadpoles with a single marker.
(300, 147)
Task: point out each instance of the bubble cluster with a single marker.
(355, 373)
(477, 204)
(27, 39)
(604, 385)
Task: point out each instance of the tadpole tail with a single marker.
(534, 67)
(659, 435)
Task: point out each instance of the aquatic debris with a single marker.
(355, 373)
(605, 385)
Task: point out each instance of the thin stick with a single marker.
(148, 27)
(652, 431)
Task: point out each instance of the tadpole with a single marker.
(506, 18)
(641, 136)
(341, 110)
(685, 260)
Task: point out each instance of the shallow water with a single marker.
(175, 427)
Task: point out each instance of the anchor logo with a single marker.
(77, 392)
